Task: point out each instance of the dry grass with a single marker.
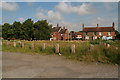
(99, 53)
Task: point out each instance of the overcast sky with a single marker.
(69, 14)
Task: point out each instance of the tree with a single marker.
(7, 31)
(17, 29)
(42, 30)
(117, 35)
(116, 32)
(27, 29)
(0, 30)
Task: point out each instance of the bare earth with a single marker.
(19, 65)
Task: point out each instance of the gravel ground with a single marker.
(19, 65)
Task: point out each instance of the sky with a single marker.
(69, 14)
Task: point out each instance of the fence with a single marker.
(56, 48)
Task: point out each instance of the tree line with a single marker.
(27, 30)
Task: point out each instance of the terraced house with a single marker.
(104, 33)
(59, 33)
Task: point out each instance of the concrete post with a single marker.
(1, 43)
(43, 46)
(108, 45)
(14, 44)
(91, 46)
(57, 48)
(73, 48)
(22, 45)
(32, 46)
(7, 43)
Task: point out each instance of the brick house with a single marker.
(59, 33)
(104, 33)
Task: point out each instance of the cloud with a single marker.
(54, 15)
(80, 10)
(21, 19)
(71, 26)
(105, 22)
(68, 25)
(51, 15)
(9, 6)
(110, 6)
(40, 15)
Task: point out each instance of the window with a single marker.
(54, 33)
(95, 33)
(86, 33)
(100, 33)
(109, 33)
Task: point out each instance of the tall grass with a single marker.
(83, 52)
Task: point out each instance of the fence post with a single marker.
(32, 46)
(14, 44)
(22, 45)
(7, 43)
(91, 46)
(43, 46)
(108, 45)
(57, 48)
(73, 48)
(116, 48)
(1, 43)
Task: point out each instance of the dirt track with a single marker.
(18, 65)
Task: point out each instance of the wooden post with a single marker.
(14, 44)
(73, 48)
(22, 45)
(32, 46)
(43, 46)
(57, 48)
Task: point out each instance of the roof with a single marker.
(101, 29)
(59, 29)
(56, 29)
(63, 31)
(78, 33)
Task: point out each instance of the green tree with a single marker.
(0, 30)
(116, 32)
(117, 35)
(17, 29)
(42, 30)
(7, 31)
(27, 29)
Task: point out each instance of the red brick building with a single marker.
(92, 33)
(59, 33)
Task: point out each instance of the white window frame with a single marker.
(109, 33)
(100, 33)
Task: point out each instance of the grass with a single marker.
(84, 52)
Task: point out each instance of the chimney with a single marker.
(82, 26)
(113, 24)
(57, 25)
(97, 25)
(64, 27)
